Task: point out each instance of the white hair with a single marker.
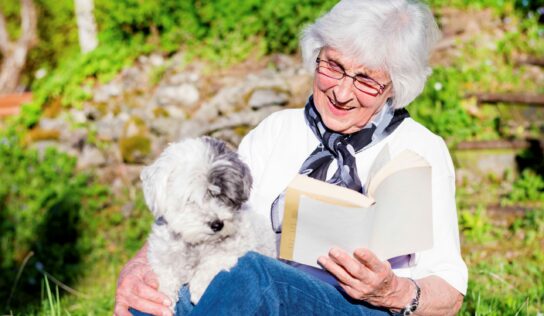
(396, 36)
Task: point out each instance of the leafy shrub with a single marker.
(440, 109)
(44, 207)
(475, 225)
(529, 187)
(220, 30)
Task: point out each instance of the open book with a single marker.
(393, 218)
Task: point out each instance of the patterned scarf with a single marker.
(342, 148)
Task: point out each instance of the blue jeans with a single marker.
(260, 285)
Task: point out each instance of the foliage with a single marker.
(499, 5)
(528, 187)
(446, 107)
(505, 272)
(222, 30)
(51, 305)
(475, 225)
(440, 108)
(73, 79)
(57, 32)
(44, 204)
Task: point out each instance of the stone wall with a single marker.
(160, 100)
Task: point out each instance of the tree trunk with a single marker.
(14, 53)
(86, 25)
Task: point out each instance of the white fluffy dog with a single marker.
(197, 191)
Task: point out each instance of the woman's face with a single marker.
(344, 108)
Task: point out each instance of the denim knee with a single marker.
(256, 267)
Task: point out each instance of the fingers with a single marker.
(150, 307)
(121, 310)
(151, 279)
(149, 293)
(138, 288)
(362, 276)
(346, 269)
(369, 259)
(146, 306)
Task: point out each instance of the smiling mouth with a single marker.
(343, 108)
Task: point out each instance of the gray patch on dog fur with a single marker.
(161, 221)
(175, 235)
(229, 173)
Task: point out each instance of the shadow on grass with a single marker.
(57, 252)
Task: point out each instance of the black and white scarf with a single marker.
(342, 148)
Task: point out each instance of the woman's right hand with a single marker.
(137, 287)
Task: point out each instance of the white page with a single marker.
(405, 160)
(403, 222)
(380, 162)
(320, 226)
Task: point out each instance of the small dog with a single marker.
(197, 191)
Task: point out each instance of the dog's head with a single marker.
(197, 188)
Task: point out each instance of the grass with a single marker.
(505, 267)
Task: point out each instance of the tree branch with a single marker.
(4, 37)
(514, 98)
(29, 24)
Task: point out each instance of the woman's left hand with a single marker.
(365, 277)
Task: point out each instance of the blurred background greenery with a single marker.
(64, 234)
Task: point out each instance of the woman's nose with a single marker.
(343, 92)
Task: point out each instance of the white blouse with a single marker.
(278, 146)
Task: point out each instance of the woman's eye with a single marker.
(335, 66)
(363, 78)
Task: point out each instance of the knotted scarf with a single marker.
(342, 148)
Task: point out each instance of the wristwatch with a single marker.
(411, 308)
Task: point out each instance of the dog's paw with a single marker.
(171, 291)
(197, 290)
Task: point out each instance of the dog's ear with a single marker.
(154, 181)
(229, 178)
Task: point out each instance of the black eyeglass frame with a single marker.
(344, 74)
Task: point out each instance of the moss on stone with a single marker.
(38, 134)
(135, 148)
(135, 142)
(53, 108)
(160, 112)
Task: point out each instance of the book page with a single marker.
(381, 160)
(405, 160)
(403, 222)
(323, 226)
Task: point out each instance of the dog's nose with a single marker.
(216, 225)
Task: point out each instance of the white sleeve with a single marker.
(444, 259)
(254, 150)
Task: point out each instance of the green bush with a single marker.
(220, 30)
(440, 108)
(44, 209)
(529, 187)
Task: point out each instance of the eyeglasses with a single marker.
(363, 83)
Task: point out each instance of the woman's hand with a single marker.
(137, 287)
(367, 278)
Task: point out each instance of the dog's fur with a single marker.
(197, 191)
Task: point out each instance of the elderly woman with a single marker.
(370, 60)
